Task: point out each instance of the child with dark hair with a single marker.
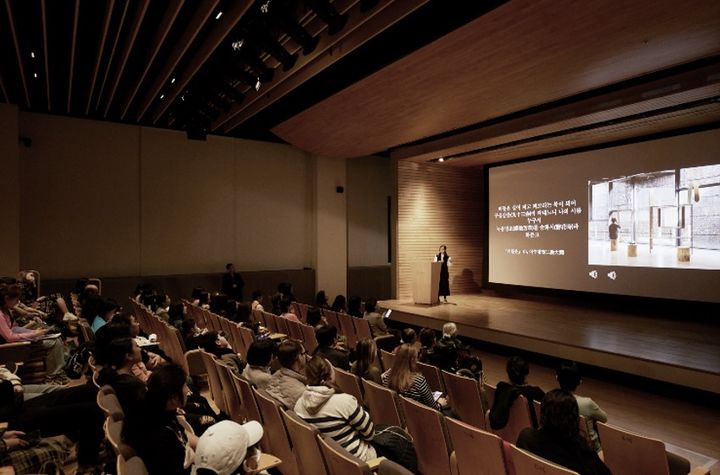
(285, 310)
(568, 376)
(506, 392)
(558, 439)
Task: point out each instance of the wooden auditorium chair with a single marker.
(471, 445)
(466, 399)
(529, 464)
(427, 428)
(304, 440)
(276, 433)
(383, 404)
(349, 383)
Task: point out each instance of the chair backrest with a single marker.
(382, 403)
(427, 428)
(627, 453)
(339, 461)
(276, 433)
(308, 338)
(109, 404)
(529, 464)
(282, 324)
(216, 389)
(489, 394)
(471, 444)
(249, 409)
(113, 434)
(332, 319)
(518, 420)
(305, 443)
(464, 394)
(432, 375)
(195, 364)
(231, 396)
(347, 328)
(387, 359)
(362, 328)
(238, 341)
(259, 317)
(132, 466)
(248, 338)
(537, 408)
(294, 330)
(349, 383)
(388, 467)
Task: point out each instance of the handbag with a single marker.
(395, 444)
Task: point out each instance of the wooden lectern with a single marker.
(426, 282)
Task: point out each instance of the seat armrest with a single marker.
(375, 463)
(699, 471)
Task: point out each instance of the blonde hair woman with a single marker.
(405, 378)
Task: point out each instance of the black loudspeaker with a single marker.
(340, 189)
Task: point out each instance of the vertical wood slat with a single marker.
(8, 7)
(46, 53)
(440, 205)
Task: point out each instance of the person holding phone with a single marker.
(443, 257)
(405, 378)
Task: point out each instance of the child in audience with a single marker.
(405, 378)
(321, 300)
(259, 356)
(558, 439)
(285, 311)
(354, 307)
(506, 393)
(568, 376)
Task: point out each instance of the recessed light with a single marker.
(162, 96)
(217, 17)
(32, 54)
(441, 159)
(172, 81)
(35, 75)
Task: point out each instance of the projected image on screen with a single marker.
(666, 218)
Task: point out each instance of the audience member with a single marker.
(336, 415)
(43, 456)
(257, 299)
(288, 383)
(427, 353)
(408, 335)
(329, 349)
(568, 376)
(122, 354)
(365, 365)
(558, 439)
(259, 356)
(321, 300)
(376, 321)
(285, 289)
(217, 345)
(228, 448)
(354, 307)
(232, 283)
(405, 378)
(285, 311)
(338, 304)
(314, 318)
(506, 393)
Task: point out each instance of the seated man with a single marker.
(506, 393)
(288, 383)
(329, 349)
(259, 356)
(568, 376)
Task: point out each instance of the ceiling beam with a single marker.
(204, 11)
(112, 54)
(72, 52)
(225, 25)
(137, 22)
(46, 53)
(4, 92)
(361, 28)
(101, 47)
(165, 25)
(8, 6)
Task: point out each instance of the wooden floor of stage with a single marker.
(686, 353)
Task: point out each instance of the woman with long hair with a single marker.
(339, 304)
(405, 378)
(365, 365)
(558, 438)
(121, 354)
(337, 415)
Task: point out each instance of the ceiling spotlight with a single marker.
(441, 159)
(265, 7)
(172, 81)
(236, 45)
(258, 84)
(162, 96)
(35, 75)
(217, 17)
(32, 54)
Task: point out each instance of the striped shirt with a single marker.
(340, 417)
(418, 390)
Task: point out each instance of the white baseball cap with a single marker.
(223, 446)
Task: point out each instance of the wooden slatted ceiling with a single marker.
(101, 47)
(112, 53)
(8, 6)
(439, 205)
(522, 54)
(45, 51)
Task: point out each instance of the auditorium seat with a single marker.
(432, 376)
(304, 440)
(249, 409)
(113, 434)
(387, 359)
(216, 388)
(231, 397)
(529, 464)
(347, 329)
(382, 403)
(309, 339)
(470, 445)
(341, 462)
(132, 466)
(628, 453)
(349, 383)
(332, 318)
(426, 426)
(294, 330)
(276, 433)
(518, 420)
(466, 399)
(489, 395)
(109, 404)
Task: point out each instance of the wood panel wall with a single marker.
(440, 205)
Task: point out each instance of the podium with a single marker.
(426, 282)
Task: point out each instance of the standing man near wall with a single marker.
(232, 283)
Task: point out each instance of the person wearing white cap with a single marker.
(224, 446)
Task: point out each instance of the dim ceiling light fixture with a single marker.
(258, 84)
(236, 45)
(441, 159)
(219, 14)
(32, 54)
(172, 81)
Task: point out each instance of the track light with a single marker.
(266, 43)
(258, 84)
(441, 159)
(236, 45)
(329, 14)
(296, 32)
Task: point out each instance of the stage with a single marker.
(685, 353)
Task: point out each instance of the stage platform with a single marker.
(684, 353)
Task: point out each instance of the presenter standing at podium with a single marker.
(442, 256)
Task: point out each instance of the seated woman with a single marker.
(376, 321)
(285, 311)
(161, 436)
(404, 378)
(408, 335)
(10, 333)
(558, 439)
(338, 304)
(568, 376)
(315, 318)
(354, 306)
(121, 355)
(366, 364)
(337, 415)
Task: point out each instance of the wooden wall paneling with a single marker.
(440, 205)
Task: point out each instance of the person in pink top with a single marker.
(285, 311)
(9, 298)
